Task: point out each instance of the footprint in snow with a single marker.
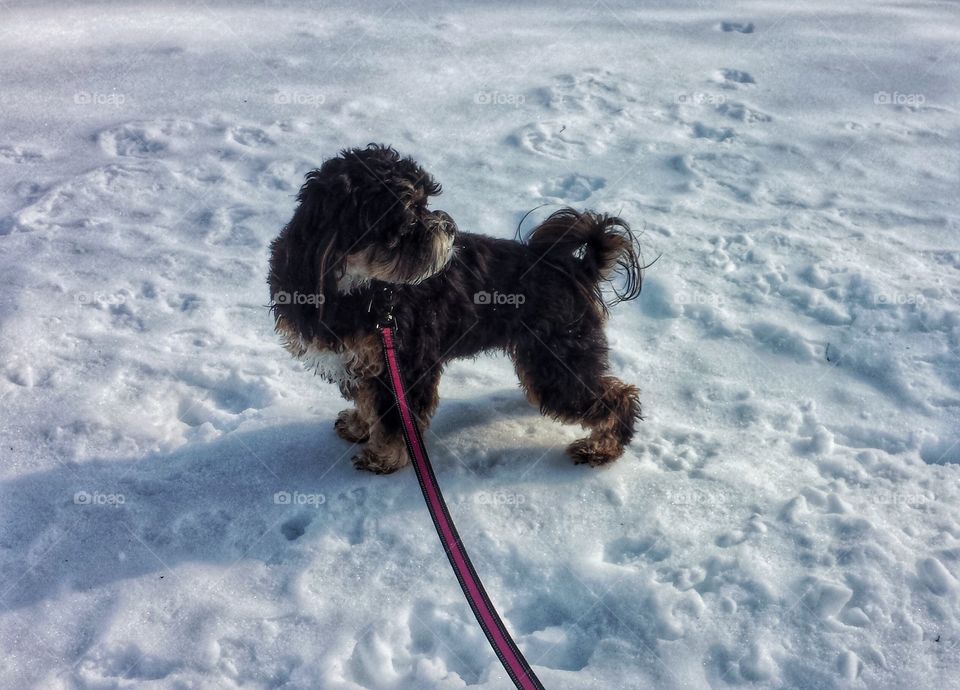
(940, 450)
(252, 137)
(590, 106)
(737, 27)
(593, 92)
(742, 113)
(573, 187)
(143, 139)
(733, 78)
(19, 154)
(718, 134)
(754, 526)
(629, 550)
(296, 527)
(447, 633)
(557, 140)
(229, 226)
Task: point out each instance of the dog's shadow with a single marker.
(80, 526)
(486, 410)
(245, 495)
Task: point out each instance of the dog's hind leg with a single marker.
(573, 386)
(611, 419)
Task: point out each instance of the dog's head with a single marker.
(362, 216)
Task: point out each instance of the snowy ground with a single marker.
(788, 516)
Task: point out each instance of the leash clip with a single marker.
(385, 315)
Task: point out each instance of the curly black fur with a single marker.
(362, 225)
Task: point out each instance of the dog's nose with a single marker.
(446, 222)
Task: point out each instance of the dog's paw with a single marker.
(369, 461)
(595, 451)
(351, 427)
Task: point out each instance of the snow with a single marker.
(175, 509)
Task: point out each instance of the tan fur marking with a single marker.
(363, 356)
(351, 426)
(608, 421)
(363, 266)
(289, 337)
(383, 453)
(527, 384)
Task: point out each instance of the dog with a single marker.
(363, 241)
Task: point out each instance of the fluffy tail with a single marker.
(594, 248)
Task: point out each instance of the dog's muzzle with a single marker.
(445, 223)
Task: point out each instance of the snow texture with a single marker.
(175, 509)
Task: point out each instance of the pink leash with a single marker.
(510, 656)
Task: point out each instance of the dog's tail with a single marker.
(602, 247)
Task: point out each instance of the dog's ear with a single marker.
(307, 259)
(327, 208)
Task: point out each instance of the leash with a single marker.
(510, 656)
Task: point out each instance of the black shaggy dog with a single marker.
(363, 241)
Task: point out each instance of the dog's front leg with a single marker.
(372, 423)
(386, 450)
(384, 453)
(353, 424)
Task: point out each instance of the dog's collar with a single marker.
(381, 306)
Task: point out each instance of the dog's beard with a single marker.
(410, 264)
